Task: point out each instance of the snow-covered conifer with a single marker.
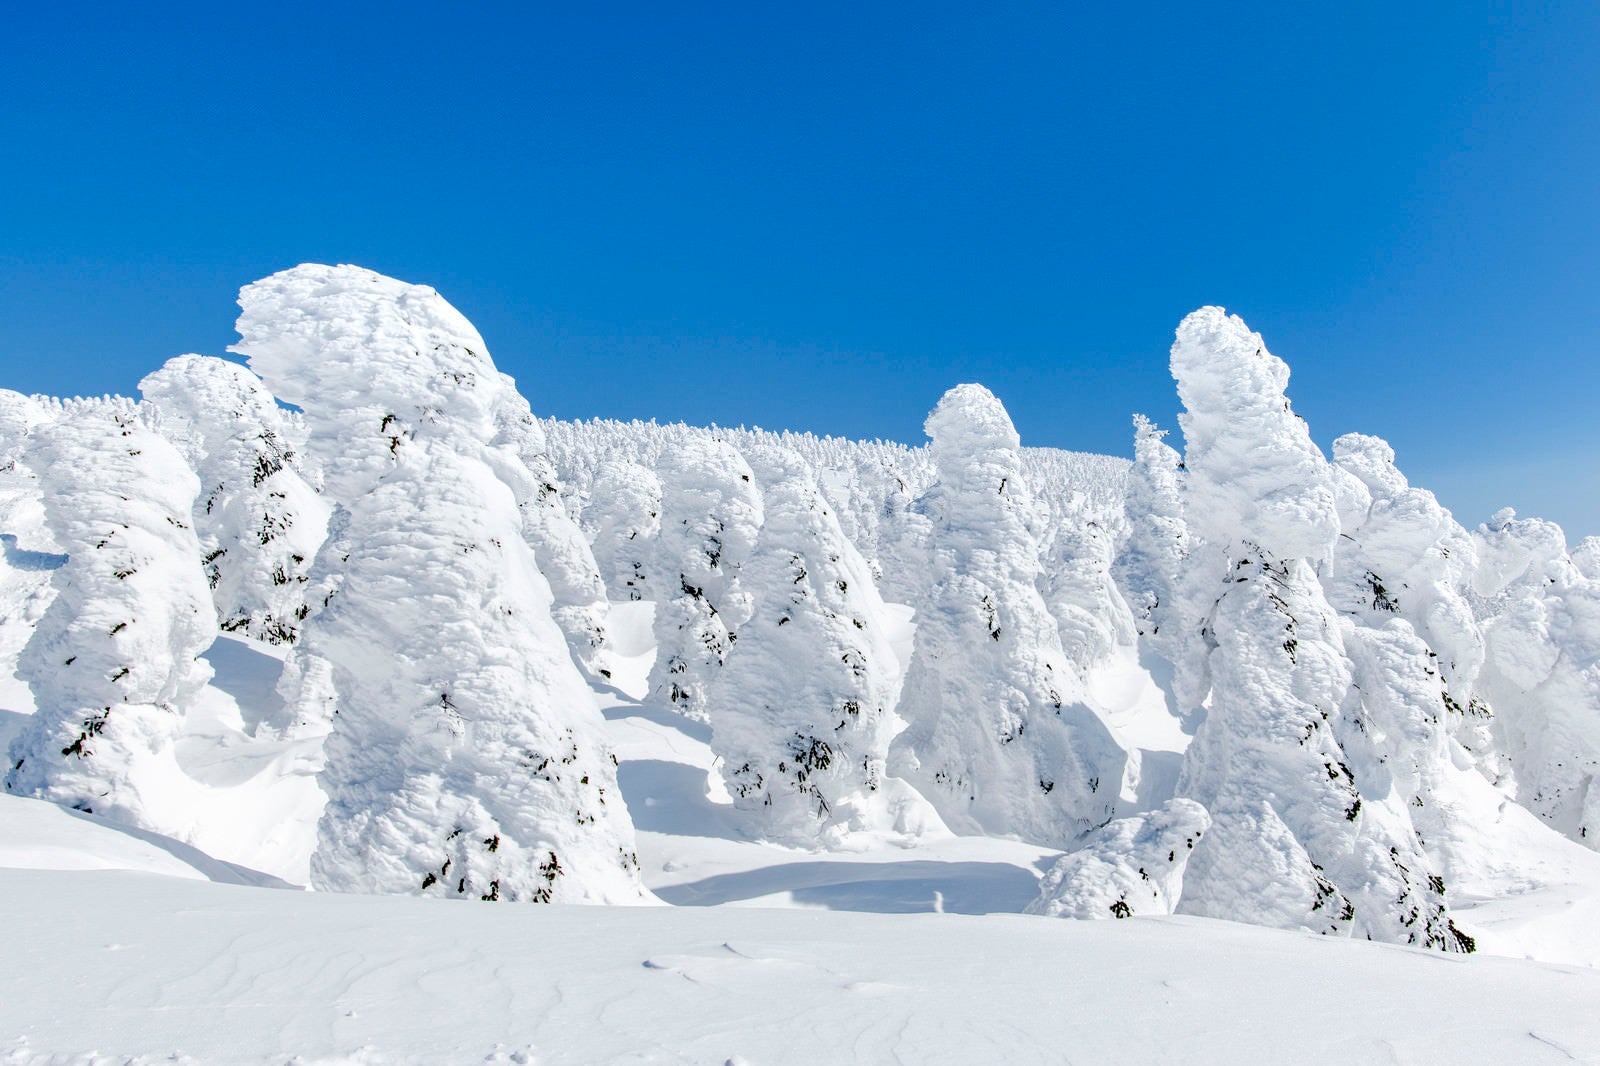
(466, 758)
(259, 522)
(1131, 866)
(1293, 843)
(998, 737)
(1541, 625)
(803, 711)
(113, 662)
(1078, 587)
(710, 515)
(624, 517)
(1153, 566)
(28, 551)
(557, 540)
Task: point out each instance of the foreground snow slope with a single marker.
(162, 969)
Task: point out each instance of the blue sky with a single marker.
(821, 216)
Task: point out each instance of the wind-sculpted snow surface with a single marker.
(113, 663)
(803, 711)
(998, 738)
(1294, 842)
(259, 521)
(466, 758)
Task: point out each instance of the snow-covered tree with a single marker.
(1541, 624)
(259, 521)
(1402, 558)
(466, 758)
(1077, 584)
(624, 518)
(1294, 843)
(998, 737)
(1153, 567)
(555, 536)
(113, 664)
(710, 515)
(803, 711)
(1131, 866)
(30, 551)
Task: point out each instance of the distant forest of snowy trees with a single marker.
(1355, 668)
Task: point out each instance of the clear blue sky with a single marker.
(820, 216)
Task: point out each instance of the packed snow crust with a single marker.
(863, 717)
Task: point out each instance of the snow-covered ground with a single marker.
(121, 967)
(126, 947)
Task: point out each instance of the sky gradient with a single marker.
(820, 217)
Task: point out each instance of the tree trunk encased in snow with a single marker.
(998, 737)
(113, 663)
(467, 757)
(710, 516)
(1294, 843)
(803, 711)
(259, 521)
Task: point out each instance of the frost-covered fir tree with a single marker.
(1153, 567)
(466, 758)
(1397, 575)
(1294, 843)
(710, 515)
(998, 737)
(28, 551)
(113, 664)
(803, 711)
(1132, 866)
(259, 521)
(556, 538)
(624, 520)
(1541, 624)
(1078, 587)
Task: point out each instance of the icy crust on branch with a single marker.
(1278, 760)
(466, 757)
(998, 737)
(803, 711)
(112, 664)
(1541, 628)
(711, 513)
(259, 521)
(1248, 455)
(1131, 866)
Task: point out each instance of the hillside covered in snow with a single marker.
(352, 616)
